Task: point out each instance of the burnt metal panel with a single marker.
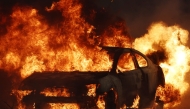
(48, 79)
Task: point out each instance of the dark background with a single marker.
(138, 14)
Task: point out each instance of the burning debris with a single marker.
(31, 40)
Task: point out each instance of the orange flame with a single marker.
(101, 103)
(32, 44)
(36, 46)
(173, 40)
(64, 106)
(91, 90)
(56, 92)
(20, 95)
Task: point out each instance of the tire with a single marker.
(147, 101)
(110, 100)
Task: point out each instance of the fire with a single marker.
(135, 103)
(34, 43)
(173, 41)
(91, 90)
(19, 95)
(56, 92)
(101, 102)
(170, 95)
(59, 92)
(64, 106)
(12, 61)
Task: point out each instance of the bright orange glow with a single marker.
(125, 62)
(91, 90)
(20, 95)
(101, 103)
(63, 106)
(173, 40)
(170, 95)
(141, 61)
(135, 104)
(56, 92)
(32, 44)
(35, 45)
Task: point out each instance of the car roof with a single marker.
(120, 50)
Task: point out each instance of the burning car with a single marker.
(132, 74)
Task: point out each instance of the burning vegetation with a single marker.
(68, 35)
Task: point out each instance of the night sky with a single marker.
(138, 15)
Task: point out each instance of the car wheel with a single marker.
(110, 100)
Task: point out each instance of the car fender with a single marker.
(111, 81)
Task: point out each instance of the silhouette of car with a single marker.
(132, 74)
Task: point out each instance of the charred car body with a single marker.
(132, 74)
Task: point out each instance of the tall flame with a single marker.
(31, 44)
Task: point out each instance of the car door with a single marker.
(129, 69)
